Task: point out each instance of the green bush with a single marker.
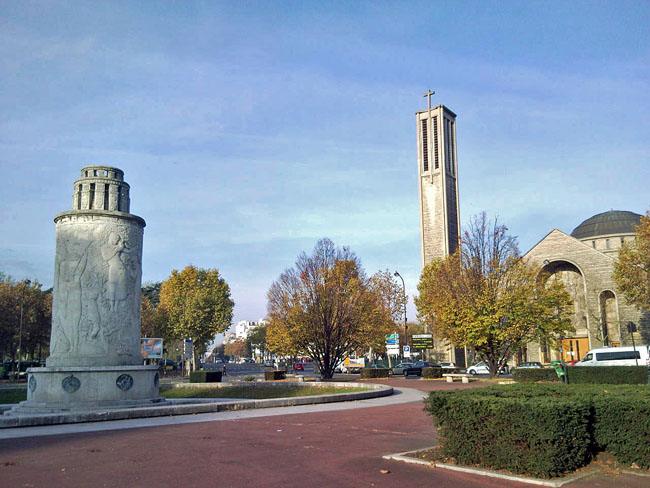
(432, 372)
(539, 436)
(375, 372)
(276, 374)
(543, 429)
(205, 376)
(612, 375)
(622, 427)
(532, 375)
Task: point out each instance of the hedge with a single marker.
(205, 376)
(613, 375)
(542, 436)
(275, 375)
(543, 429)
(375, 373)
(432, 372)
(533, 375)
(622, 427)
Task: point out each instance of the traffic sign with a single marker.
(422, 341)
(407, 351)
(392, 339)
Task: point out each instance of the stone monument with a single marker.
(95, 359)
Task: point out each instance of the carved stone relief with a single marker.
(96, 309)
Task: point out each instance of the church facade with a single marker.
(584, 262)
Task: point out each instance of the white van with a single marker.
(617, 356)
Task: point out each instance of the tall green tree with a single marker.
(197, 305)
(326, 307)
(632, 268)
(487, 298)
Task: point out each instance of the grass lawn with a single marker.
(12, 395)
(256, 392)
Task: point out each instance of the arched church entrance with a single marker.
(575, 347)
(609, 322)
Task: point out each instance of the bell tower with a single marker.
(438, 181)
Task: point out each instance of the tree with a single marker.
(237, 348)
(36, 305)
(486, 297)
(394, 300)
(197, 305)
(256, 338)
(151, 291)
(632, 268)
(279, 340)
(326, 306)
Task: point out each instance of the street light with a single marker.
(406, 327)
(26, 283)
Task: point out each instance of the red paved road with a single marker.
(337, 449)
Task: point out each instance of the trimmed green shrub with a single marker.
(538, 428)
(532, 375)
(205, 376)
(540, 436)
(375, 372)
(273, 375)
(622, 427)
(432, 372)
(613, 375)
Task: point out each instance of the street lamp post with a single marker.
(26, 283)
(406, 327)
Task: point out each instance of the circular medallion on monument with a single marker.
(71, 384)
(124, 382)
(32, 383)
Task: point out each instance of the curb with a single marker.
(556, 483)
(201, 406)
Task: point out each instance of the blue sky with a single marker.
(248, 130)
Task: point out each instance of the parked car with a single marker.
(617, 356)
(482, 368)
(167, 365)
(448, 366)
(416, 368)
(398, 369)
(530, 365)
(298, 367)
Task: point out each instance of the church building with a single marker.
(584, 262)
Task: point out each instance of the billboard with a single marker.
(151, 348)
(422, 341)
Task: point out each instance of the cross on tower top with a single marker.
(427, 95)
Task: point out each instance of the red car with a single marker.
(298, 367)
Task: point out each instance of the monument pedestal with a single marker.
(51, 390)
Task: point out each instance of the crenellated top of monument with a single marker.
(99, 171)
(101, 188)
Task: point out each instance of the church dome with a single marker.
(607, 223)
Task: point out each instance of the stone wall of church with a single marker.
(596, 269)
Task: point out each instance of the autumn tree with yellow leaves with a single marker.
(197, 305)
(486, 297)
(632, 268)
(325, 307)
